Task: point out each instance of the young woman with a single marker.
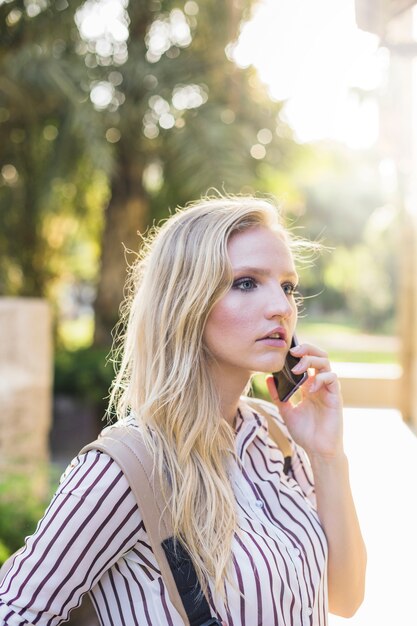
(212, 302)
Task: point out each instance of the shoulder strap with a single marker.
(126, 447)
(275, 432)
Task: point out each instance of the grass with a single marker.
(346, 356)
(346, 343)
(328, 328)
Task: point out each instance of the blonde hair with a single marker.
(182, 271)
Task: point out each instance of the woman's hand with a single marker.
(316, 422)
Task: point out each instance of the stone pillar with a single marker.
(25, 388)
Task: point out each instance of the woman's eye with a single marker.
(289, 288)
(244, 284)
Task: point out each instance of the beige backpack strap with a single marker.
(126, 447)
(273, 427)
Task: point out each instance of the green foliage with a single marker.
(4, 552)
(366, 273)
(20, 512)
(84, 374)
(77, 333)
(184, 106)
(52, 140)
(181, 108)
(259, 388)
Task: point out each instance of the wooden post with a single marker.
(397, 143)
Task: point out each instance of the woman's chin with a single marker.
(270, 368)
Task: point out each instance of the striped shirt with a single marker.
(92, 539)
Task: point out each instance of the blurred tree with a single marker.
(366, 273)
(172, 116)
(182, 117)
(51, 141)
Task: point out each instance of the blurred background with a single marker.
(112, 113)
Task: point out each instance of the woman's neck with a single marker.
(229, 411)
(230, 388)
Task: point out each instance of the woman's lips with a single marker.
(275, 338)
(273, 343)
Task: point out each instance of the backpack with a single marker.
(127, 449)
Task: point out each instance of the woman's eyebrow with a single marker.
(261, 271)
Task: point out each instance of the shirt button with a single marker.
(259, 504)
(309, 611)
(297, 552)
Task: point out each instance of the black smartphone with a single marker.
(286, 381)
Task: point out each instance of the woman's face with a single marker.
(250, 328)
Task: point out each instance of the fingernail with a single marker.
(296, 368)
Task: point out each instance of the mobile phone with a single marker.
(286, 381)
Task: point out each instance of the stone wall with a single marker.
(25, 387)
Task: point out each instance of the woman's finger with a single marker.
(318, 363)
(325, 379)
(308, 348)
(270, 383)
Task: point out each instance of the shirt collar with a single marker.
(249, 425)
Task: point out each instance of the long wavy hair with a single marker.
(164, 372)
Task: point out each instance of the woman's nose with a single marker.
(280, 305)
